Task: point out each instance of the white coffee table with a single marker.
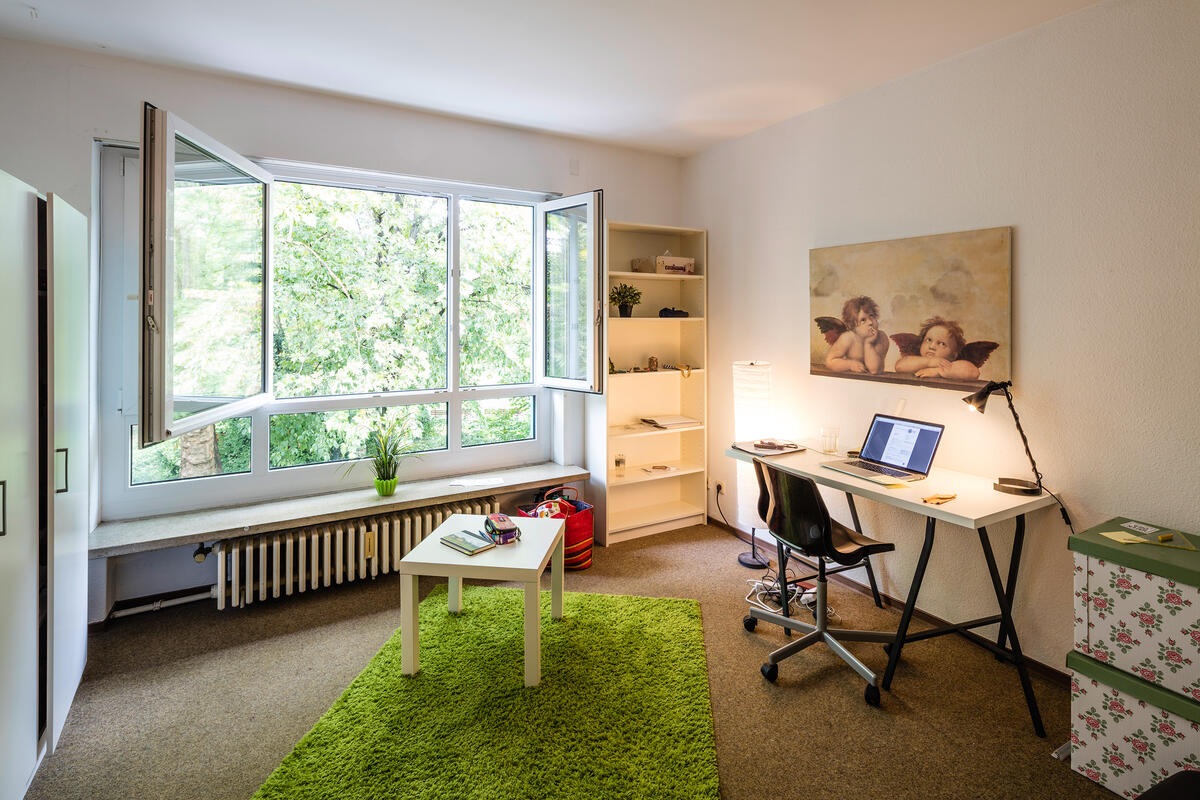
(521, 561)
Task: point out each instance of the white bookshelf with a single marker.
(640, 503)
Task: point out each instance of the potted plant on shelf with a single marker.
(624, 297)
(384, 449)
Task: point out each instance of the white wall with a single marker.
(57, 100)
(1082, 135)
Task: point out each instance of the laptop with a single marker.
(897, 450)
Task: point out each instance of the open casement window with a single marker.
(205, 280)
(570, 274)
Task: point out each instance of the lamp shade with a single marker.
(751, 399)
(978, 400)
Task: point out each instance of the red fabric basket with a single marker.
(578, 515)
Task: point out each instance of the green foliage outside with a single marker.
(360, 293)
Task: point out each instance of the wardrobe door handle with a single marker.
(3, 507)
(66, 470)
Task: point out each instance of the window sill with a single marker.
(122, 537)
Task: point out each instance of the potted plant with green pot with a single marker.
(624, 297)
(384, 448)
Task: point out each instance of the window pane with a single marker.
(568, 270)
(217, 305)
(220, 449)
(359, 291)
(503, 419)
(323, 436)
(495, 293)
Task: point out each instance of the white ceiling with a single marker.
(672, 76)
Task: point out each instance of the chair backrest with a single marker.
(764, 495)
(797, 514)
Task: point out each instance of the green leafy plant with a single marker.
(383, 446)
(624, 295)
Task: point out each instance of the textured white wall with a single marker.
(1082, 135)
(57, 100)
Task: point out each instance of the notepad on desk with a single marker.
(769, 447)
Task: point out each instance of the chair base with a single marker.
(821, 632)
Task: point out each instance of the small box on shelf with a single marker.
(675, 265)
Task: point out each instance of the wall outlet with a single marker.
(720, 488)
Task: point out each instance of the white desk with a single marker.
(523, 561)
(977, 506)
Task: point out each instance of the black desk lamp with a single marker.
(978, 401)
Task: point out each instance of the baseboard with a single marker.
(1055, 676)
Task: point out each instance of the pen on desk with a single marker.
(481, 535)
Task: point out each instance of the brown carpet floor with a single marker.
(190, 703)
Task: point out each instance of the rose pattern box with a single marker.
(1138, 622)
(1124, 743)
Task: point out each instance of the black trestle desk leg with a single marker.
(1006, 624)
(784, 606)
(1014, 562)
(910, 605)
(867, 559)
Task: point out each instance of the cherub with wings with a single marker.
(855, 342)
(941, 351)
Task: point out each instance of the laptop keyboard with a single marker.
(895, 473)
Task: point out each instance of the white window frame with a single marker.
(157, 409)
(120, 183)
(595, 300)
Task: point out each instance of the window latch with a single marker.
(151, 324)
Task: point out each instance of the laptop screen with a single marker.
(902, 443)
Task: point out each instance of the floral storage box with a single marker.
(1128, 734)
(1137, 608)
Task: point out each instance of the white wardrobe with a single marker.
(44, 458)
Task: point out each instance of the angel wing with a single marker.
(832, 327)
(909, 343)
(977, 352)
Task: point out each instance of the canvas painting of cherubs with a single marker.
(931, 310)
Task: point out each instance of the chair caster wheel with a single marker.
(871, 695)
(771, 672)
(749, 622)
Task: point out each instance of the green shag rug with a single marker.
(622, 710)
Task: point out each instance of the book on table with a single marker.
(466, 542)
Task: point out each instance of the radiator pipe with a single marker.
(158, 605)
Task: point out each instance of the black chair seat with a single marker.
(850, 546)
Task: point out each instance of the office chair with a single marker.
(799, 520)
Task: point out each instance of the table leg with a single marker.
(1006, 624)
(1014, 562)
(867, 560)
(409, 663)
(557, 567)
(910, 605)
(454, 590)
(533, 634)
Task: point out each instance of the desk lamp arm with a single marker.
(1024, 439)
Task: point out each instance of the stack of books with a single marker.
(468, 542)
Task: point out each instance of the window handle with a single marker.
(3, 507)
(66, 470)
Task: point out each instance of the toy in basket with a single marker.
(577, 540)
(501, 529)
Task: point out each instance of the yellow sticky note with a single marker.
(1123, 537)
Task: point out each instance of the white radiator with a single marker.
(306, 559)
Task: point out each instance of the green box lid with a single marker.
(1173, 563)
(1135, 687)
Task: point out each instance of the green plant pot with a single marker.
(385, 488)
